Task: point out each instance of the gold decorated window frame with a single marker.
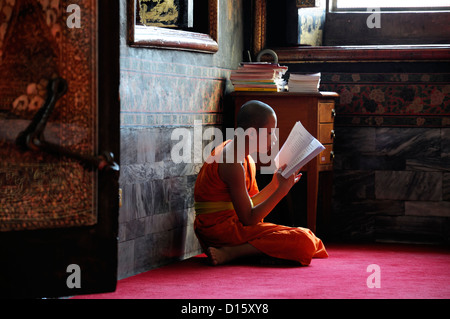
(259, 27)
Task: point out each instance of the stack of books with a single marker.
(306, 83)
(259, 76)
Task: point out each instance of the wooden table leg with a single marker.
(312, 193)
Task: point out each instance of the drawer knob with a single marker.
(333, 134)
(333, 113)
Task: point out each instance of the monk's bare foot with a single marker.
(222, 255)
(217, 256)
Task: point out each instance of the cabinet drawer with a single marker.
(326, 133)
(326, 112)
(327, 155)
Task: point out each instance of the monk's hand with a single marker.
(286, 183)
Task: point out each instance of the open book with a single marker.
(300, 147)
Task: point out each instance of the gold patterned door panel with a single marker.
(58, 205)
(38, 190)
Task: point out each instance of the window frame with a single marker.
(344, 53)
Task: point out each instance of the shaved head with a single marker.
(254, 114)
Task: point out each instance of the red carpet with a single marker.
(405, 272)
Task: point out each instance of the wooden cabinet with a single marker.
(326, 133)
(316, 112)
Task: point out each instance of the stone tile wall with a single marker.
(156, 219)
(160, 91)
(392, 161)
(392, 184)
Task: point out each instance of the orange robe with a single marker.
(223, 228)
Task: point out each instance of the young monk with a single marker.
(230, 208)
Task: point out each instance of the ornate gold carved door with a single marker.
(58, 202)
